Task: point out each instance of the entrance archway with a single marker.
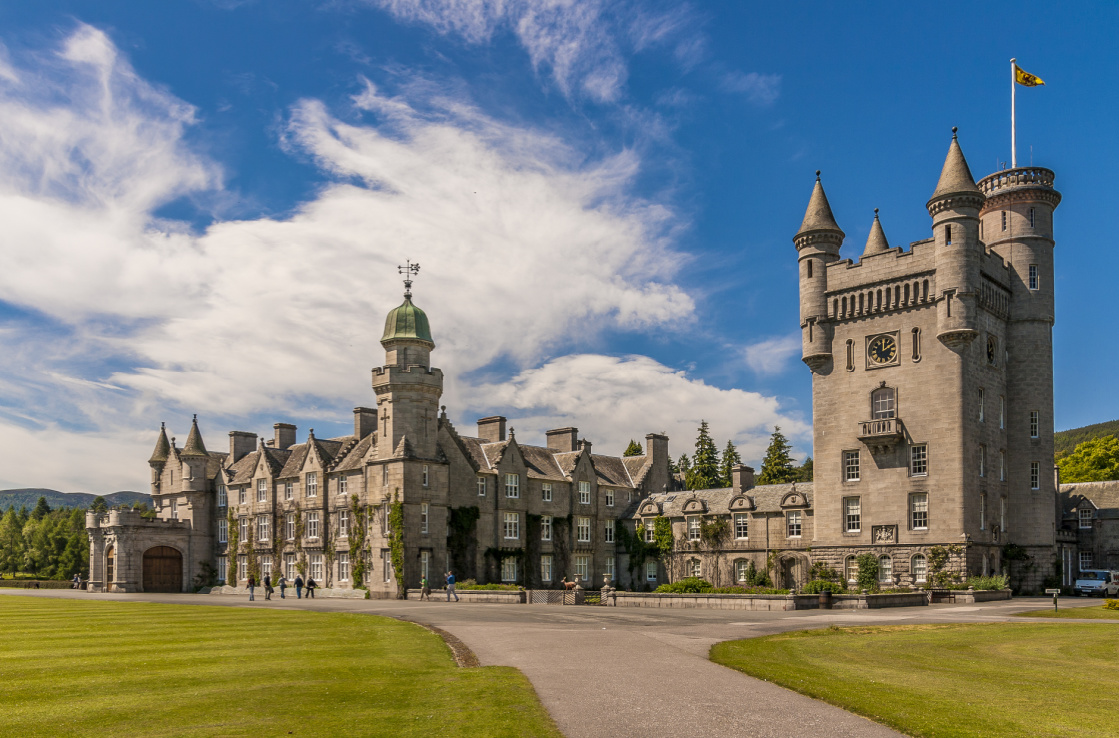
(163, 570)
(792, 572)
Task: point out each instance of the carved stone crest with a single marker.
(884, 534)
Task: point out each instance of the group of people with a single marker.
(282, 583)
(425, 588)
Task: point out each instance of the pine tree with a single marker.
(41, 509)
(684, 465)
(99, 505)
(729, 460)
(634, 449)
(777, 467)
(804, 471)
(705, 463)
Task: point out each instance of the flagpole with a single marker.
(1013, 141)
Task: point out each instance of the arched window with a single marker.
(919, 565)
(835, 308)
(883, 403)
(885, 570)
(916, 344)
(695, 567)
(878, 299)
(844, 307)
(906, 301)
(850, 355)
(851, 569)
(897, 295)
(925, 291)
(741, 570)
(862, 303)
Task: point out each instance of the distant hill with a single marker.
(1065, 441)
(29, 497)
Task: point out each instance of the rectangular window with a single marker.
(387, 565)
(1085, 517)
(546, 568)
(426, 475)
(312, 484)
(242, 529)
(174, 510)
(1035, 423)
(343, 484)
(545, 527)
(610, 572)
(850, 466)
(1002, 465)
(481, 486)
(584, 493)
(650, 571)
(918, 460)
(265, 566)
(1002, 514)
(741, 525)
(982, 512)
(343, 522)
(1085, 560)
(649, 531)
(609, 498)
(1002, 412)
(289, 566)
(920, 569)
(982, 460)
(223, 531)
(289, 526)
(697, 568)
(316, 568)
(792, 519)
(289, 490)
(851, 566)
(512, 525)
(344, 567)
(919, 511)
(242, 567)
(423, 517)
(312, 525)
(608, 532)
(583, 530)
(546, 492)
(512, 485)
(693, 529)
(509, 569)
(221, 495)
(1033, 277)
(223, 568)
(982, 410)
(852, 515)
(1035, 475)
(264, 528)
(582, 567)
(242, 496)
(425, 564)
(385, 478)
(261, 490)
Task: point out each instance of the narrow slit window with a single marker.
(1004, 220)
(948, 235)
(916, 344)
(1031, 217)
(810, 269)
(850, 356)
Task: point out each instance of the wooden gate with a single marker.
(163, 570)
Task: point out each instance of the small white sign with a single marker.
(1052, 591)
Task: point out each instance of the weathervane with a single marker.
(408, 271)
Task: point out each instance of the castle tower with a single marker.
(159, 457)
(407, 387)
(817, 243)
(954, 207)
(1017, 225)
(194, 456)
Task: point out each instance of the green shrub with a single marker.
(471, 584)
(993, 582)
(823, 572)
(867, 578)
(690, 585)
(738, 590)
(755, 578)
(821, 585)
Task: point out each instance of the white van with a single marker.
(1097, 582)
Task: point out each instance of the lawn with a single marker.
(1084, 613)
(975, 680)
(119, 668)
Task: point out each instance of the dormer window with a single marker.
(1085, 517)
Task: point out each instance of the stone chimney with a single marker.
(285, 435)
(365, 421)
(742, 478)
(585, 445)
(562, 440)
(241, 443)
(492, 429)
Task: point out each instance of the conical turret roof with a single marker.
(162, 447)
(876, 243)
(818, 217)
(194, 445)
(955, 177)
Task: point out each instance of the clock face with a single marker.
(992, 347)
(882, 350)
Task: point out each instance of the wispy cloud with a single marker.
(772, 355)
(759, 89)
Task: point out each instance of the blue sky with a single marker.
(206, 202)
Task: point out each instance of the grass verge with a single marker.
(1083, 613)
(121, 668)
(950, 681)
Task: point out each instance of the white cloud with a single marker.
(759, 89)
(614, 399)
(772, 355)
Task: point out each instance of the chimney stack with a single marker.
(285, 435)
(562, 440)
(241, 443)
(365, 421)
(742, 478)
(492, 429)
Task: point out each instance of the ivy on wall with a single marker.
(396, 543)
(234, 544)
(359, 529)
(462, 524)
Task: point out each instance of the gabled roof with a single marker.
(294, 463)
(541, 463)
(611, 470)
(567, 461)
(244, 467)
(1104, 495)
(637, 467)
(494, 452)
(356, 455)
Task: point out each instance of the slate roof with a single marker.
(541, 463)
(242, 470)
(818, 216)
(1104, 495)
(955, 177)
(566, 461)
(162, 447)
(295, 460)
(766, 498)
(355, 458)
(637, 467)
(876, 242)
(194, 445)
(611, 470)
(473, 449)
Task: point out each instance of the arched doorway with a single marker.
(792, 572)
(110, 566)
(163, 570)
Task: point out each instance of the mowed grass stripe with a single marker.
(949, 681)
(1083, 613)
(140, 669)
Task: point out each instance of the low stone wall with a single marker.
(767, 602)
(327, 592)
(968, 596)
(498, 596)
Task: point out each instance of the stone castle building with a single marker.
(932, 391)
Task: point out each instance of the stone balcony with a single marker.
(881, 434)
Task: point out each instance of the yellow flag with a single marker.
(1026, 79)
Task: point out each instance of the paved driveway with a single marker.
(632, 671)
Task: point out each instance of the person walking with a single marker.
(252, 585)
(311, 587)
(451, 586)
(283, 585)
(425, 590)
(77, 581)
(298, 586)
(267, 586)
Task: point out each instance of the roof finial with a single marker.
(196, 417)
(876, 213)
(817, 175)
(954, 131)
(408, 271)
(162, 425)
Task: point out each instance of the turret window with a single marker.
(810, 269)
(982, 461)
(1035, 423)
(1035, 475)
(948, 235)
(1035, 282)
(1031, 221)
